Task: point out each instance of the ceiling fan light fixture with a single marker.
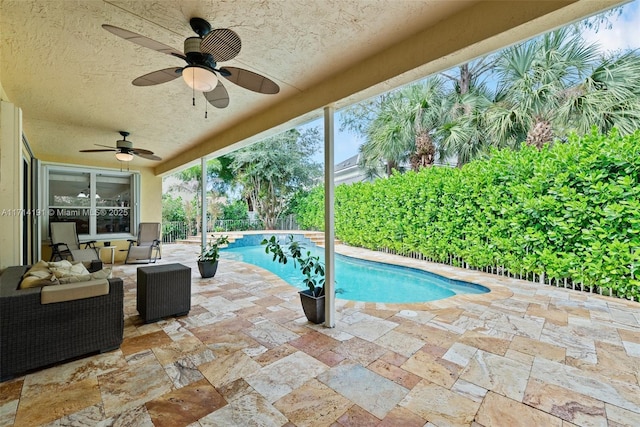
(124, 157)
(199, 78)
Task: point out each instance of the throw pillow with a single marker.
(71, 274)
(74, 279)
(105, 273)
(60, 264)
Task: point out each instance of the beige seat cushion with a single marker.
(139, 252)
(37, 276)
(86, 255)
(74, 291)
(35, 282)
(61, 272)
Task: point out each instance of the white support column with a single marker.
(329, 224)
(203, 195)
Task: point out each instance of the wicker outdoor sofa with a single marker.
(34, 334)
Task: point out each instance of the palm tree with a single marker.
(373, 168)
(428, 110)
(464, 136)
(405, 126)
(558, 83)
(384, 137)
(546, 88)
(609, 97)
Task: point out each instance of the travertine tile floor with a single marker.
(522, 355)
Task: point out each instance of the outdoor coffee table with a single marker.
(163, 290)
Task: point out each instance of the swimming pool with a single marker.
(361, 280)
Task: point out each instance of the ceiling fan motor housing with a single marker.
(127, 145)
(195, 56)
(192, 45)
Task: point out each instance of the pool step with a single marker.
(316, 237)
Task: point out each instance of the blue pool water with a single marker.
(361, 280)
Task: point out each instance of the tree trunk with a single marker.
(465, 79)
(425, 152)
(391, 165)
(540, 133)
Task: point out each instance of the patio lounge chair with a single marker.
(65, 244)
(147, 248)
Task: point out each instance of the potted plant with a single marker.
(208, 258)
(312, 269)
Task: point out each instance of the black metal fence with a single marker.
(175, 230)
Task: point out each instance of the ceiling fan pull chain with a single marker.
(205, 110)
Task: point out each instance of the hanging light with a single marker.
(82, 194)
(199, 78)
(124, 156)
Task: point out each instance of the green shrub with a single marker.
(236, 210)
(309, 209)
(570, 212)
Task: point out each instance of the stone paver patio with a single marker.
(522, 355)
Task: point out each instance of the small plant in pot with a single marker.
(208, 258)
(312, 269)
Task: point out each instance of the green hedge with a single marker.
(570, 213)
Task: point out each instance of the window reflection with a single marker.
(115, 203)
(105, 205)
(68, 199)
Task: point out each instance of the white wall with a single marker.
(11, 187)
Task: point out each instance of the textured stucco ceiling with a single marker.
(72, 78)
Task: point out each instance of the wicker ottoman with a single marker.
(163, 290)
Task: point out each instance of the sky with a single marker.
(623, 34)
(346, 143)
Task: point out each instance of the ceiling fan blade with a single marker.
(145, 155)
(97, 150)
(250, 80)
(157, 77)
(223, 44)
(102, 145)
(218, 97)
(140, 151)
(143, 41)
